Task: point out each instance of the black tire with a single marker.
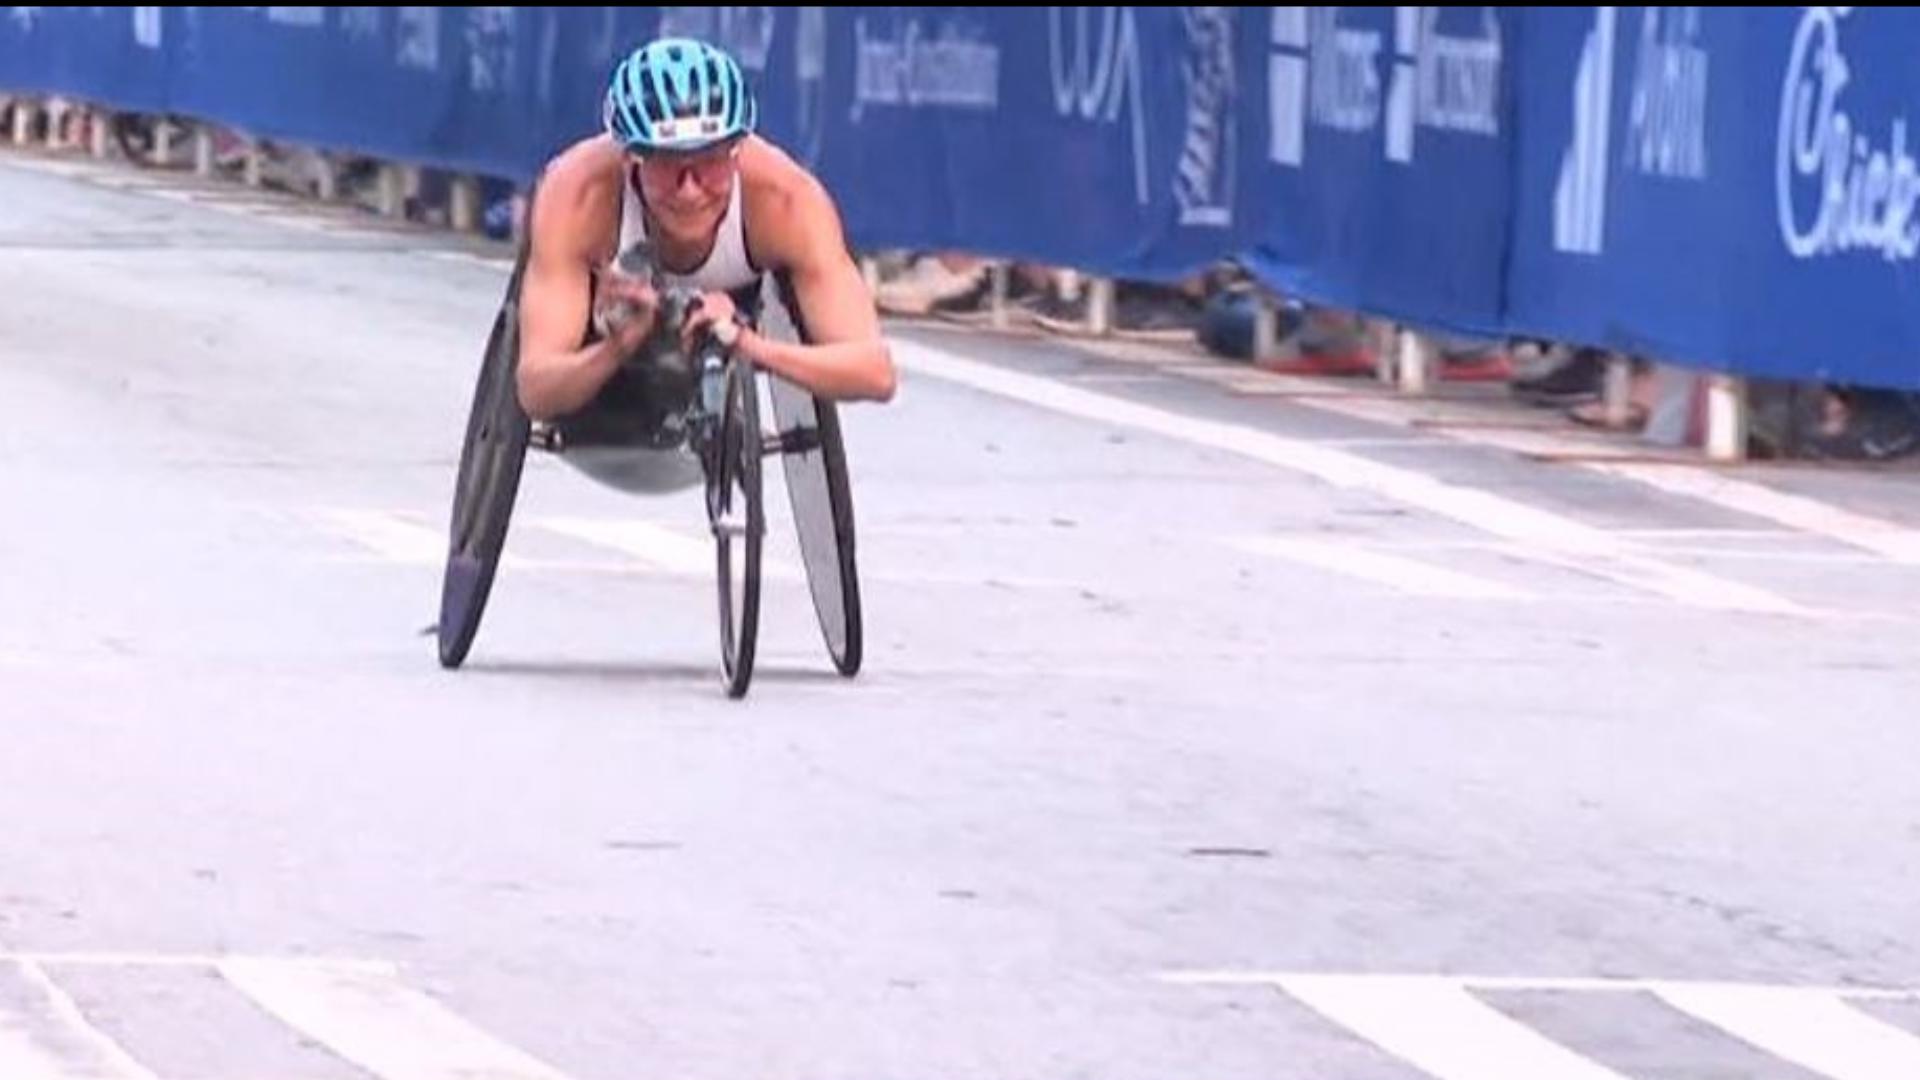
(739, 536)
(491, 459)
(822, 500)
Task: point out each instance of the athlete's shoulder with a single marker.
(785, 203)
(579, 188)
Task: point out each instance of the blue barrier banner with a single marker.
(116, 56)
(1730, 188)
(957, 128)
(471, 89)
(1096, 137)
(1378, 164)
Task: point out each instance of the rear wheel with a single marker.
(491, 459)
(822, 497)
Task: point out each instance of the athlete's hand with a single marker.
(625, 308)
(713, 309)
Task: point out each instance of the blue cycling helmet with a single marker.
(678, 94)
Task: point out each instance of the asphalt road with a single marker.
(1204, 732)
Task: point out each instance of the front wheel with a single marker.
(737, 515)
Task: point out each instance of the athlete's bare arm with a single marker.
(570, 227)
(794, 226)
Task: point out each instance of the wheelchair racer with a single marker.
(680, 169)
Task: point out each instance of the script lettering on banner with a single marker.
(1839, 186)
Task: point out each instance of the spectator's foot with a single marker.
(1594, 414)
(1156, 315)
(926, 284)
(1578, 380)
(1139, 314)
(975, 306)
(1062, 316)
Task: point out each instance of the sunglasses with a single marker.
(711, 168)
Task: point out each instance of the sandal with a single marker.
(1594, 414)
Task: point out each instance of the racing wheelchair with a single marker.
(670, 420)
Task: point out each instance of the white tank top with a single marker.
(727, 267)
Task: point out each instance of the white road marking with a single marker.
(658, 546)
(468, 258)
(1393, 571)
(1225, 376)
(273, 208)
(73, 1050)
(393, 537)
(284, 218)
(1534, 528)
(1890, 539)
(1813, 558)
(70, 170)
(647, 549)
(1886, 538)
(1251, 383)
(279, 213)
(1386, 442)
(1570, 985)
(381, 1026)
(1481, 424)
(1441, 1029)
(1811, 1028)
(655, 545)
(501, 265)
(1119, 378)
(1656, 533)
(135, 182)
(193, 960)
(1435, 1024)
(388, 535)
(1141, 352)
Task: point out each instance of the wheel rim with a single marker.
(822, 518)
(487, 481)
(735, 508)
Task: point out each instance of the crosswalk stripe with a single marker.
(1393, 571)
(380, 1025)
(1813, 1029)
(1556, 983)
(655, 545)
(67, 170)
(1119, 378)
(73, 1050)
(1884, 537)
(389, 536)
(1250, 383)
(1540, 530)
(135, 182)
(469, 258)
(191, 960)
(1438, 1027)
(660, 546)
